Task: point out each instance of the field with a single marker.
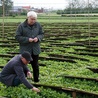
(68, 61)
(55, 18)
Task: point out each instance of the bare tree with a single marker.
(8, 4)
(82, 6)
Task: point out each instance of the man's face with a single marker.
(25, 61)
(31, 20)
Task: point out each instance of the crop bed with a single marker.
(69, 51)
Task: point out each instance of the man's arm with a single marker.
(19, 35)
(21, 75)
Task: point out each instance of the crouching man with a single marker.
(15, 71)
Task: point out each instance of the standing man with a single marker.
(15, 71)
(29, 35)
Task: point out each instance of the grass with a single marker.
(51, 18)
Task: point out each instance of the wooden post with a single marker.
(3, 21)
(74, 94)
(89, 22)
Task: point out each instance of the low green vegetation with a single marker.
(67, 49)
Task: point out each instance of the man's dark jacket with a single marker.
(24, 32)
(15, 67)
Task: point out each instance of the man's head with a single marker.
(32, 17)
(26, 57)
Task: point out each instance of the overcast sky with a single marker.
(55, 4)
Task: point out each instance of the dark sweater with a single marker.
(15, 67)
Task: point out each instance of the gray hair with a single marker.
(32, 13)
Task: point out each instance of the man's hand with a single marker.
(31, 39)
(35, 89)
(35, 39)
(29, 74)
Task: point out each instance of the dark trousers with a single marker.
(16, 81)
(35, 67)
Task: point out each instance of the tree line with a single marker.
(80, 7)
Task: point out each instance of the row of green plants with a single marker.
(53, 72)
(23, 92)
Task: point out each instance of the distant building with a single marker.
(25, 9)
(37, 10)
(20, 8)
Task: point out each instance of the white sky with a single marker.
(55, 4)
